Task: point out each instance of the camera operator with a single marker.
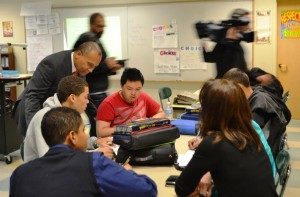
(228, 53)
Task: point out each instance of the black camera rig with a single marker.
(216, 32)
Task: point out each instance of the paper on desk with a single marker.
(184, 159)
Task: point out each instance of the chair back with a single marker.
(285, 96)
(284, 170)
(164, 93)
(283, 142)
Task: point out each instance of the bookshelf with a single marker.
(8, 63)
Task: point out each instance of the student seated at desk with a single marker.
(66, 170)
(72, 92)
(268, 109)
(126, 105)
(231, 149)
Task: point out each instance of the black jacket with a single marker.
(228, 54)
(269, 109)
(53, 175)
(98, 79)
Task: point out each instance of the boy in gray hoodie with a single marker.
(72, 92)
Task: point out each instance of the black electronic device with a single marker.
(171, 180)
(216, 32)
(122, 62)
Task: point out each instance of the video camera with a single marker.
(216, 32)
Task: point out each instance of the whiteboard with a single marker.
(137, 22)
(64, 13)
(142, 18)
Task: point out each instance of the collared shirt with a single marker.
(73, 65)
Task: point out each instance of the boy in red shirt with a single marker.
(126, 105)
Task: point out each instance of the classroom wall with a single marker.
(264, 55)
(10, 11)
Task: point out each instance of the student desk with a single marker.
(10, 138)
(161, 173)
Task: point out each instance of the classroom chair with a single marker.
(284, 170)
(164, 93)
(285, 96)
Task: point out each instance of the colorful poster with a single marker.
(290, 24)
(7, 28)
(165, 36)
(166, 61)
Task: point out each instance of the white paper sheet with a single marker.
(166, 61)
(191, 57)
(263, 26)
(30, 22)
(165, 36)
(36, 8)
(184, 159)
(38, 47)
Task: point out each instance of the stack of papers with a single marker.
(187, 98)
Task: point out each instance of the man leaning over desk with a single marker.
(127, 105)
(47, 75)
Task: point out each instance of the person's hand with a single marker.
(205, 185)
(204, 44)
(141, 119)
(107, 151)
(127, 166)
(104, 141)
(112, 64)
(194, 143)
(232, 33)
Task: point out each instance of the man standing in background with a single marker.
(98, 79)
(228, 53)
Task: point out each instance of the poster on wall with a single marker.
(191, 57)
(165, 36)
(38, 47)
(166, 61)
(263, 26)
(290, 24)
(7, 29)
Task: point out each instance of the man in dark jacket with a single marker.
(66, 170)
(47, 75)
(228, 53)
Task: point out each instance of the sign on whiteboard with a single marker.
(191, 57)
(166, 61)
(165, 36)
(38, 47)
